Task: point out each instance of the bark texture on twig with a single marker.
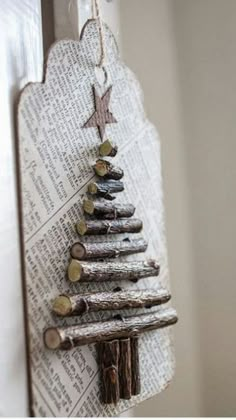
(136, 381)
(105, 188)
(86, 251)
(108, 354)
(108, 148)
(105, 169)
(105, 227)
(87, 271)
(70, 305)
(108, 210)
(125, 375)
(92, 332)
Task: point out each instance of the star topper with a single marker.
(101, 115)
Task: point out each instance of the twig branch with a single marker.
(136, 381)
(108, 210)
(71, 305)
(111, 270)
(125, 375)
(86, 333)
(105, 188)
(105, 227)
(86, 251)
(108, 354)
(105, 169)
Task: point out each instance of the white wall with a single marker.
(148, 43)
(183, 52)
(206, 37)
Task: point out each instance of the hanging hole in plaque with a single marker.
(101, 75)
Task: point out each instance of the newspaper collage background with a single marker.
(56, 155)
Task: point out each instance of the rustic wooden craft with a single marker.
(98, 250)
(120, 370)
(67, 337)
(88, 271)
(61, 124)
(70, 305)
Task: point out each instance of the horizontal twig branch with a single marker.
(108, 210)
(70, 305)
(112, 270)
(105, 188)
(105, 169)
(105, 227)
(84, 251)
(77, 335)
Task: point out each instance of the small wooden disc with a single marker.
(88, 206)
(81, 227)
(92, 188)
(62, 305)
(78, 251)
(101, 167)
(74, 271)
(52, 338)
(107, 149)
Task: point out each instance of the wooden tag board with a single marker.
(56, 155)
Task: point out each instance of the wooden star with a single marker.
(101, 115)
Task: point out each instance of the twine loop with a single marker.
(97, 16)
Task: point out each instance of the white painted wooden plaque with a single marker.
(56, 155)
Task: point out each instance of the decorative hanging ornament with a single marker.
(119, 354)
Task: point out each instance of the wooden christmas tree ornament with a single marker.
(65, 125)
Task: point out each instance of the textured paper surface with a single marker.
(56, 155)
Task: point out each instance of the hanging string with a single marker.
(92, 9)
(73, 20)
(96, 15)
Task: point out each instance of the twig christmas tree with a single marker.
(117, 338)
